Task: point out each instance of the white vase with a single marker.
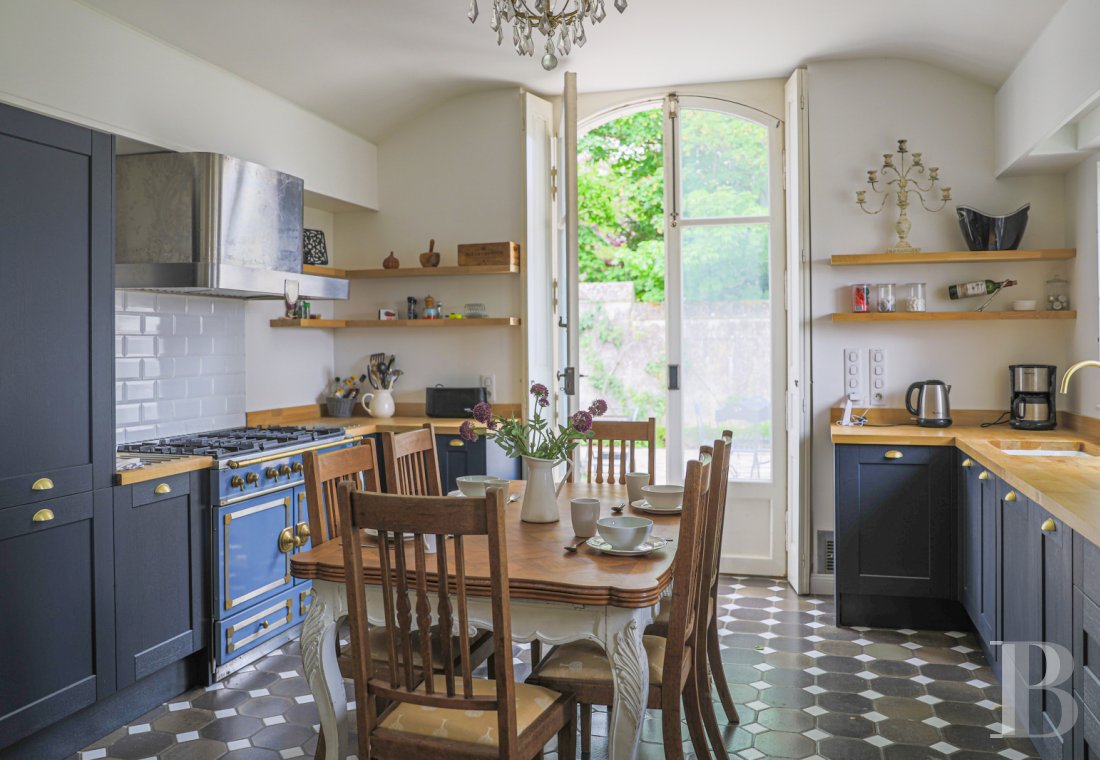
(540, 499)
(378, 404)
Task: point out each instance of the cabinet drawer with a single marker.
(45, 485)
(252, 627)
(1087, 568)
(45, 515)
(160, 489)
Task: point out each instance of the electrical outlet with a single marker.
(877, 387)
(855, 375)
(489, 383)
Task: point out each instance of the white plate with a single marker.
(650, 545)
(644, 506)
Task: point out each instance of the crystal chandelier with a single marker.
(562, 28)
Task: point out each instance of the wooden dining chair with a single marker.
(583, 668)
(411, 462)
(619, 438)
(451, 714)
(709, 663)
(358, 467)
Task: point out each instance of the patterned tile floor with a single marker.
(804, 689)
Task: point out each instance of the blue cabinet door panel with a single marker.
(250, 564)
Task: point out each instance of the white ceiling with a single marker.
(370, 65)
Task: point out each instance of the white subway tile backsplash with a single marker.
(140, 390)
(139, 345)
(169, 389)
(127, 324)
(179, 364)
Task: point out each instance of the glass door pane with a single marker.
(727, 343)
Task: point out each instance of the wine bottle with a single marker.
(978, 288)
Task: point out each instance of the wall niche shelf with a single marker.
(951, 316)
(430, 324)
(953, 257)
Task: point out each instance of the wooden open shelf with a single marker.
(950, 316)
(323, 271)
(379, 274)
(953, 257)
(431, 324)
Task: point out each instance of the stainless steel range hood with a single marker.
(208, 224)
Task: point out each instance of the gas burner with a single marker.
(221, 444)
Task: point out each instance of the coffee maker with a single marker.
(1033, 396)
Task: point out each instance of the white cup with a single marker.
(584, 512)
(634, 483)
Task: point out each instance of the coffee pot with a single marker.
(932, 408)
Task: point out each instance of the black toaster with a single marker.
(452, 402)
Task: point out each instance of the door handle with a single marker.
(43, 515)
(968, 463)
(893, 454)
(286, 540)
(42, 484)
(1010, 496)
(303, 534)
(457, 443)
(984, 475)
(1048, 525)
(162, 489)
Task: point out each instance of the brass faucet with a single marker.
(1069, 373)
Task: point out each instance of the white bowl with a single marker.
(475, 485)
(663, 497)
(624, 532)
(1023, 305)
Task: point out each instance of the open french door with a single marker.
(567, 280)
(540, 329)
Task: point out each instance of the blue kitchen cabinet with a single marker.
(979, 553)
(458, 457)
(1051, 553)
(1086, 647)
(895, 528)
(161, 581)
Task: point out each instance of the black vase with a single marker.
(985, 232)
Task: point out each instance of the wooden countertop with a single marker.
(154, 470)
(1067, 487)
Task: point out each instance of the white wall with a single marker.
(286, 367)
(453, 174)
(1082, 213)
(858, 109)
(1055, 81)
(61, 58)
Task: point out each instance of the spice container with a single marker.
(912, 295)
(1057, 294)
(884, 297)
(861, 298)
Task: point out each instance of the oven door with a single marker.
(253, 542)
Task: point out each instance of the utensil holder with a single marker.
(339, 407)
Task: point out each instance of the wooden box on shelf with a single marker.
(488, 254)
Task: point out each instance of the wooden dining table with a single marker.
(556, 597)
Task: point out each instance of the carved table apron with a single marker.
(637, 586)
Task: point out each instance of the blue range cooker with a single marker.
(259, 521)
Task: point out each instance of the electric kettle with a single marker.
(932, 408)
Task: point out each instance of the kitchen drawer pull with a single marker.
(265, 624)
(1010, 496)
(42, 484)
(162, 489)
(43, 515)
(287, 540)
(984, 475)
(968, 463)
(456, 443)
(1048, 525)
(893, 454)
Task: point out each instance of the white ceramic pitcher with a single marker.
(540, 499)
(378, 403)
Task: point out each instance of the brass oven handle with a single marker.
(162, 489)
(42, 484)
(1048, 525)
(43, 515)
(893, 454)
(286, 540)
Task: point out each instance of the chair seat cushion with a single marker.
(586, 661)
(474, 726)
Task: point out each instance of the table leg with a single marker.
(322, 672)
(630, 674)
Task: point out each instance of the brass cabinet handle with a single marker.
(968, 463)
(162, 489)
(893, 454)
(286, 540)
(1010, 496)
(984, 475)
(42, 484)
(303, 535)
(43, 515)
(1048, 525)
(456, 443)
(265, 624)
